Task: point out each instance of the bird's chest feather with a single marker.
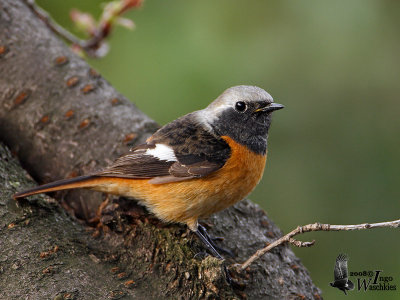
(236, 179)
(199, 198)
(186, 201)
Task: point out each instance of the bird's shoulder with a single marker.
(180, 150)
(192, 140)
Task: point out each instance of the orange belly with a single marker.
(188, 200)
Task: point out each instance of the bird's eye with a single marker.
(240, 106)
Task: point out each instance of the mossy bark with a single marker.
(61, 119)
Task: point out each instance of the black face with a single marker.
(247, 123)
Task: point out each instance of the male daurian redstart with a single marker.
(194, 166)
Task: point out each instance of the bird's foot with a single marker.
(212, 240)
(213, 249)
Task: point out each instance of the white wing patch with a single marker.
(162, 152)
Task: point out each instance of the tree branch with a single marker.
(314, 227)
(62, 119)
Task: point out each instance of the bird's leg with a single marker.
(212, 239)
(206, 241)
(208, 244)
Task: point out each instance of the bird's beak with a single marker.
(270, 107)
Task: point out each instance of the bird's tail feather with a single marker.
(86, 181)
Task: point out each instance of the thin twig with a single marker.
(95, 45)
(53, 26)
(314, 227)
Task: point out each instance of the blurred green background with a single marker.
(335, 65)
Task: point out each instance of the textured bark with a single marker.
(58, 115)
(62, 119)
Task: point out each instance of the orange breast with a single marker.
(186, 201)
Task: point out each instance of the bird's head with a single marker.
(242, 113)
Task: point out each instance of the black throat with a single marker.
(250, 130)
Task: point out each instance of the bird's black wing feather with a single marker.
(138, 165)
(198, 153)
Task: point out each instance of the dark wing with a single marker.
(138, 164)
(179, 151)
(340, 271)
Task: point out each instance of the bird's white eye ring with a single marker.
(240, 106)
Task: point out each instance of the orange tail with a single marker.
(86, 181)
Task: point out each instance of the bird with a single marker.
(341, 277)
(194, 166)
